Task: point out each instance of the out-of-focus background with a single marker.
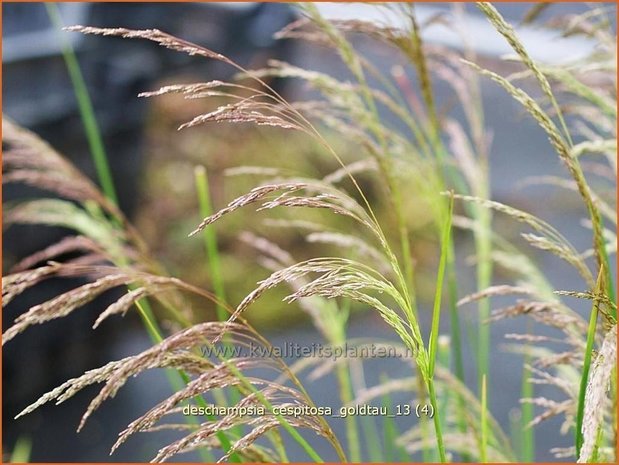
(153, 169)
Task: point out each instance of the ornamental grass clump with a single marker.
(446, 162)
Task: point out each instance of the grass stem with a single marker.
(437, 422)
(436, 315)
(97, 150)
(588, 355)
(87, 113)
(483, 443)
(210, 239)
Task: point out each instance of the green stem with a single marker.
(436, 316)
(95, 142)
(610, 285)
(456, 340)
(587, 363)
(437, 422)
(155, 334)
(447, 175)
(212, 252)
(426, 452)
(436, 311)
(93, 134)
(210, 239)
(484, 272)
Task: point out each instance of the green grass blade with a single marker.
(587, 362)
(436, 316)
(445, 397)
(456, 338)
(21, 451)
(87, 113)
(507, 31)
(210, 239)
(389, 432)
(456, 329)
(437, 422)
(436, 311)
(393, 451)
(483, 248)
(610, 284)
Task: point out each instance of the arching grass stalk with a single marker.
(383, 159)
(93, 134)
(145, 311)
(436, 316)
(304, 125)
(246, 384)
(212, 252)
(560, 140)
(352, 61)
(483, 242)
(385, 163)
(155, 334)
(97, 150)
(210, 239)
(346, 396)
